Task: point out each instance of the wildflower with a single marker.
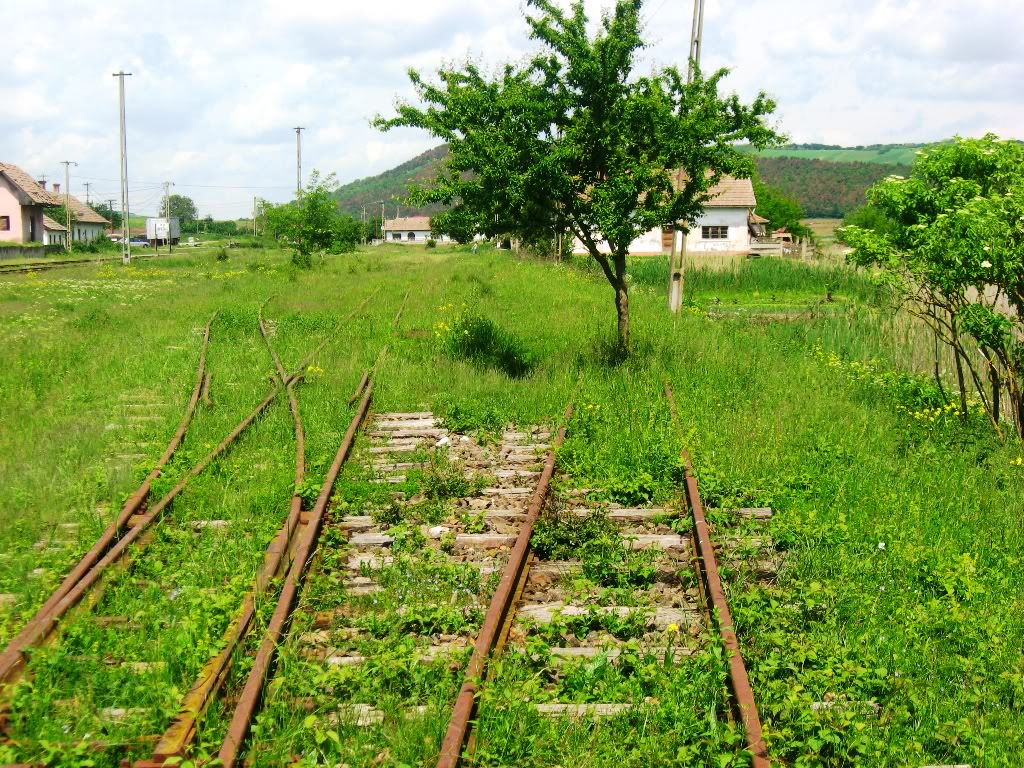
(881, 546)
(986, 264)
(672, 628)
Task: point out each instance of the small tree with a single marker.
(458, 224)
(781, 210)
(312, 223)
(573, 138)
(181, 207)
(953, 255)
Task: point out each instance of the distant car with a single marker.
(139, 242)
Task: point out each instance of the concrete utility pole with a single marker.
(254, 217)
(381, 220)
(87, 200)
(67, 199)
(298, 159)
(364, 225)
(126, 248)
(677, 259)
(167, 213)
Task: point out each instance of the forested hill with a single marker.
(825, 188)
(391, 187)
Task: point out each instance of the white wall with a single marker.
(419, 236)
(649, 244)
(739, 234)
(83, 232)
(53, 238)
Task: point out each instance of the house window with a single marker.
(412, 236)
(714, 233)
(5, 223)
(396, 235)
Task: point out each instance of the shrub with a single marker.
(221, 254)
(483, 342)
(431, 243)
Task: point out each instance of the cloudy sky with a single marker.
(216, 88)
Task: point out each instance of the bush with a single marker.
(221, 254)
(484, 343)
(431, 243)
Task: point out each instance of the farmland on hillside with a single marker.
(840, 488)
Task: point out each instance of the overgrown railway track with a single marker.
(418, 615)
(102, 578)
(44, 266)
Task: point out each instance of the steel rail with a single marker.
(42, 266)
(739, 681)
(251, 694)
(48, 623)
(499, 608)
(12, 659)
(183, 728)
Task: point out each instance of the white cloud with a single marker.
(216, 89)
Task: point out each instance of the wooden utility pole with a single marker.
(126, 248)
(677, 258)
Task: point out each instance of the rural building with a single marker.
(160, 230)
(22, 201)
(54, 233)
(408, 229)
(724, 227)
(86, 224)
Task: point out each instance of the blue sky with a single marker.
(217, 87)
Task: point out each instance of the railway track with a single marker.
(433, 579)
(43, 266)
(97, 646)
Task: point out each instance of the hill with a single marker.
(391, 186)
(826, 186)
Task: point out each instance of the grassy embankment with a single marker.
(900, 523)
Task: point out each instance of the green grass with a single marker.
(929, 627)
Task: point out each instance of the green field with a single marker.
(886, 154)
(899, 523)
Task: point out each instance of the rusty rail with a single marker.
(739, 681)
(500, 606)
(183, 728)
(12, 660)
(252, 692)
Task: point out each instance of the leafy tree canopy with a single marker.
(180, 206)
(954, 252)
(574, 139)
(781, 210)
(312, 223)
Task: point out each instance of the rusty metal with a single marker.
(401, 309)
(500, 607)
(739, 681)
(359, 388)
(249, 699)
(182, 730)
(11, 661)
(207, 401)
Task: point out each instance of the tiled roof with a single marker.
(80, 211)
(408, 223)
(52, 225)
(728, 193)
(28, 186)
(753, 218)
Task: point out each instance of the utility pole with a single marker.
(67, 199)
(381, 220)
(167, 213)
(677, 263)
(298, 159)
(87, 200)
(364, 225)
(126, 248)
(254, 217)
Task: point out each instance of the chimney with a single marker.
(42, 183)
(56, 188)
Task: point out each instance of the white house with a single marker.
(54, 233)
(86, 224)
(723, 228)
(408, 230)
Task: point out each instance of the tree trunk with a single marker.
(961, 383)
(622, 312)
